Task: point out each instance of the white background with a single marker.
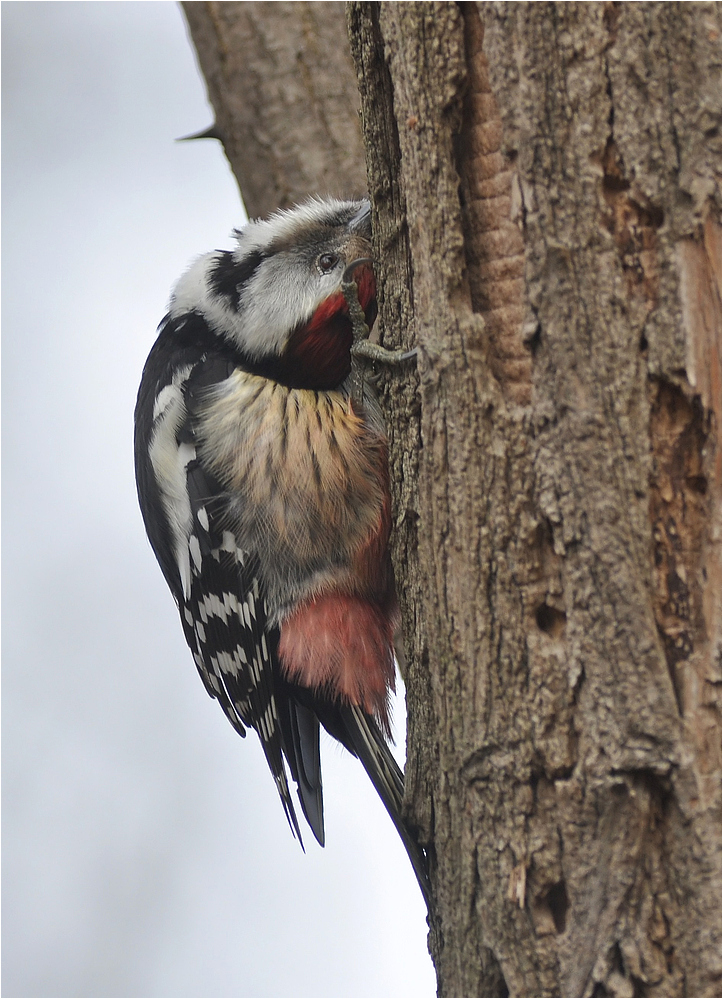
(145, 852)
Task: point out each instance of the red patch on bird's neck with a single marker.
(318, 355)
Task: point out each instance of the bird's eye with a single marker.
(327, 262)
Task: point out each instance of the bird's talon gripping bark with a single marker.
(362, 351)
(375, 352)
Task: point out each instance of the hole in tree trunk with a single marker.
(550, 620)
(558, 902)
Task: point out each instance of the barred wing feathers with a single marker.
(216, 586)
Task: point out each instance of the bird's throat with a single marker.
(318, 355)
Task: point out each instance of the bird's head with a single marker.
(277, 297)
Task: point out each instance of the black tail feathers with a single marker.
(371, 748)
(300, 716)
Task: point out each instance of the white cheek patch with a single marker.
(279, 297)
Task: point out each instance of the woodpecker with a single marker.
(263, 483)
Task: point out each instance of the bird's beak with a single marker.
(362, 221)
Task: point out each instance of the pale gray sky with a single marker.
(145, 852)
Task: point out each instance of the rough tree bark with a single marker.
(281, 81)
(546, 189)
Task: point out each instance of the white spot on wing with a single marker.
(195, 550)
(184, 570)
(264, 730)
(255, 670)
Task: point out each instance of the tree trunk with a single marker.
(546, 189)
(281, 81)
(547, 220)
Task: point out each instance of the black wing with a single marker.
(216, 585)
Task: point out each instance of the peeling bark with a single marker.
(546, 186)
